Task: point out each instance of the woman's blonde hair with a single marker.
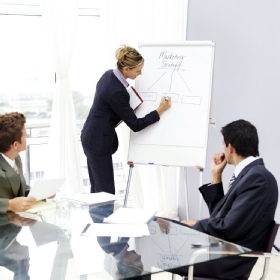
(128, 56)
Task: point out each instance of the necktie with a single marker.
(15, 168)
(231, 180)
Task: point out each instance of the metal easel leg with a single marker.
(200, 196)
(128, 185)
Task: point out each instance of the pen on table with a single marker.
(86, 228)
(214, 244)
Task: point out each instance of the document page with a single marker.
(130, 216)
(93, 198)
(44, 188)
(119, 230)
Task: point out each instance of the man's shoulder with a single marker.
(258, 169)
(256, 164)
(3, 162)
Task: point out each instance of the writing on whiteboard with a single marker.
(170, 60)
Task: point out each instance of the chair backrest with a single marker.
(268, 245)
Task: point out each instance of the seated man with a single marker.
(245, 213)
(13, 188)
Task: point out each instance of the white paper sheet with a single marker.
(119, 230)
(130, 216)
(92, 198)
(45, 188)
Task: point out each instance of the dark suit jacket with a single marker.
(11, 184)
(242, 216)
(110, 106)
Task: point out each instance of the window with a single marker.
(27, 76)
(26, 70)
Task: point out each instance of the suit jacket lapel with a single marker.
(235, 183)
(12, 177)
(22, 179)
(243, 172)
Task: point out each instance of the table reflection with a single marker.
(128, 262)
(32, 249)
(14, 256)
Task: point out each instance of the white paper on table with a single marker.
(119, 230)
(93, 198)
(130, 216)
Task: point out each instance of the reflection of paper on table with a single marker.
(130, 216)
(45, 188)
(119, 230)
(93, 198)
(88, 255)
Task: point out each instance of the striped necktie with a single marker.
(231, 180)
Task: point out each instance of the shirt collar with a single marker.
(10, 161)
(241, 165)
(121, 77)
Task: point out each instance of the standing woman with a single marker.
(110, 106)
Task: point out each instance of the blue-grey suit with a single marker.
(242, 216)
(99, 138)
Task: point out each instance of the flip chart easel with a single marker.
(186, 191)
(182, 71)
(128, 185)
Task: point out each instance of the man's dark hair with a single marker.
(243, 136)
(11, 126)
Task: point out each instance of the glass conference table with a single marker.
(49, 245)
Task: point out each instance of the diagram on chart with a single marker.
(171, 80)
(184, 73)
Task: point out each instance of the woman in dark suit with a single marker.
(110, 106)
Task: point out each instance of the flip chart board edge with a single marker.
(200, 163)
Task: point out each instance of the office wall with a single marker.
(246, 77)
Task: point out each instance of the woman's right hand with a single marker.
(164, 105)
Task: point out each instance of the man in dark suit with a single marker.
(244, 214)
(13, 188)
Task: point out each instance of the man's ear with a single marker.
(14, 145)
(231, 148)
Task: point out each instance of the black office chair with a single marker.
(266, 253)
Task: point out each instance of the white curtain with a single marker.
(63, 157)
(130, 22)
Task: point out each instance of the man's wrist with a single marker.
(216, 178)
(10, 205)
